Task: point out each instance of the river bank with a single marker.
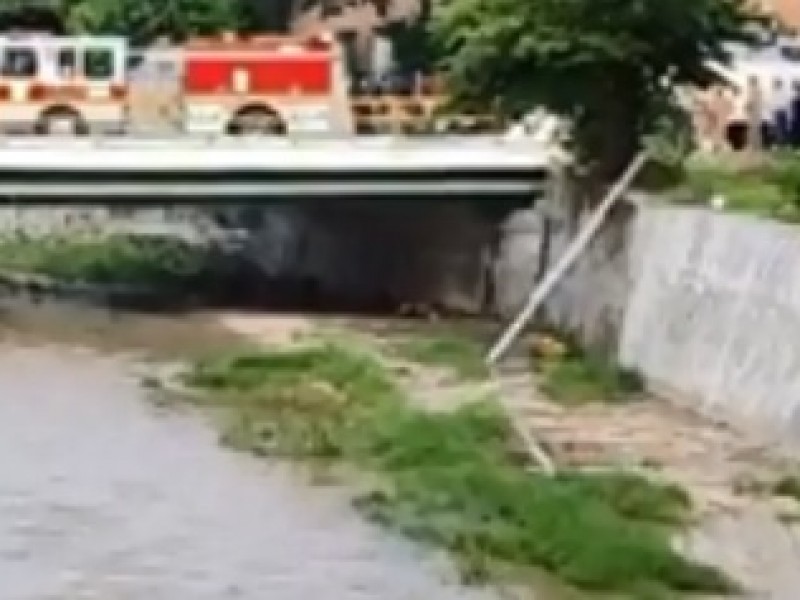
(110, 496)
(144, 504)
(158, 344)
(732, 479)
(500, 523)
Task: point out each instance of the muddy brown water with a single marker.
(105, 495)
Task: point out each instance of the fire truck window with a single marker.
(134, 62)
(98, 63)
(19, 62)
(67, 62)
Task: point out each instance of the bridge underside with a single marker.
(107, 187)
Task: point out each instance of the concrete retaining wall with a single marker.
(715, 312)
(706, 304)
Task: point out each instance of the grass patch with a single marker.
(311, 403)
(453, 479)
(788, 487)
(579, 377)
(458, 353)
(111, 260)
(770, 189)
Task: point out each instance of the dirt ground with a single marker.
(751, 534)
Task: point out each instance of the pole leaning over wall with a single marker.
(542, 289)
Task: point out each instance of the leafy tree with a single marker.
(413, 49)
(143, 20)
(270, 15)
(39, 15)
(611, 67)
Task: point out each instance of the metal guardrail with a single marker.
(288, 141)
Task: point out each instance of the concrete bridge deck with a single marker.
(182, 169)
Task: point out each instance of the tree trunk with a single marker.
(608, 135)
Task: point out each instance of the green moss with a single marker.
(458, 353)
(453, 479)
(771, 189)
(584, 378)
(788, 486)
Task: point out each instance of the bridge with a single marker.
(196, 170)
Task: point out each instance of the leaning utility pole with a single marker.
(542, 289)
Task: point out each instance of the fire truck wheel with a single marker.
(256, 121)
(61, 122)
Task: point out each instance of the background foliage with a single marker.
(610, 67)
(143, 20)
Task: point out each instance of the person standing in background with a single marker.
(794, 116)
(780, 103)
(722, 112)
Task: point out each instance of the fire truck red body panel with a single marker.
(294, 80)
(267, 75)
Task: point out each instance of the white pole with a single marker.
(546, 285)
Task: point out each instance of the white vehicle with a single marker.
(65, 85)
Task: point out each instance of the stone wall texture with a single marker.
(704, 304)
(715, 312)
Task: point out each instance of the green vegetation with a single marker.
(609, 67)
(587, 379)
(144, 20)
(112, 260)
(456, 352)
(788, 486)
(453, 479)
(575, 377)
(769, 189)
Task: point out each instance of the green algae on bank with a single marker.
(454, 479)
(458, 353)
(573, 377)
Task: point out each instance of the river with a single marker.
(107, 495)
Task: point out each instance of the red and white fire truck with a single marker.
(263, 85)
(54, 84)
(226, 85)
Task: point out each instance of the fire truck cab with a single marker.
(65, 85)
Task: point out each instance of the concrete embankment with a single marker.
(703, 303)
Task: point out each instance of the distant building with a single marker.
(361, 26)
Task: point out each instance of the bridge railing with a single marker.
(295, 141)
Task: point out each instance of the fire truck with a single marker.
(224, 85)
(264, 85)
(57, 84)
